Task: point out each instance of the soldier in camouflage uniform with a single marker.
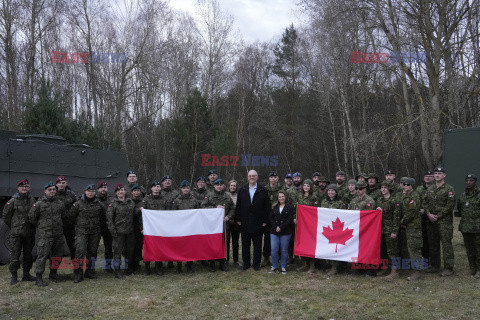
(65, 194)
(154, 201)
(352, 193)
(362, 201)
(288, 182)
(315, 177)
(388, 204)
(469, 210)
(22, 234)
(340, 178)
(333, 201)
(86, 214)
(120, 216)
(47, 215)
(137, 198)
(321, 192)
(167, 192)
(390, 178)
(373, 188)
(410, 208)
(105, 199)
(439, 204)
(211, 177)
(421, 190)
(362, 176)
(273, 188)
(186, 200)
(219, 199)
(295, 191)
(200, 192)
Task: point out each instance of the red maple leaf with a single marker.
(337, 235)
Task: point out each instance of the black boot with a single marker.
(179, 267)
(89, 273)
(159, 268)
(223, 265)
(14, 279)
(147, 269)
(78, 276)
(53, 275)
(40, 281)
(189, 265)
(119, 274)
(212, 266)
(27, 276)
(170, 264)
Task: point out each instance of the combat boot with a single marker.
(118, 274)
(446, 273)
(305, 266)
(223, 265)
(266, 262)
(89, 274)
(39, 282)
(393, 275)
(415, 276)
(147, 269)
(170, 264)
(311, 270)
(78, 276)
(27, 276)
(14, 279)
(333, 271)
(477, 275)
(53, 275)
(159, 268)
(179, 267)
(212, 266)
(189, 267)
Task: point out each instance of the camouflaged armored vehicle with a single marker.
(41, 158)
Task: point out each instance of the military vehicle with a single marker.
(41, 158)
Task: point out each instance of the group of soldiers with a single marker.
(416, 221)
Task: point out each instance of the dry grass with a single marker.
(246, 295)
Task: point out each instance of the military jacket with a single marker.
(154, 202)
(469, 209)
(200, 194)
(68, 198)
(440, 201)
(184, 202)
(87, 213)
(390, 214)
(15, 214)
(273, 193)
(343, 190)
(337, 203)
(46, 214)
(347, 198)
(169, 194)
(409, 206)
(215, 199)
(364, 203)
(120, 216)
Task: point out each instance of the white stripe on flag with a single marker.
(326, 250)
(179, 223)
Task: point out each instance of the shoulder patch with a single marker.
(74, 205)
(413, 201)
(110, 205)
(34, 205)
(398, 204)
(8, 203)
(369, 204)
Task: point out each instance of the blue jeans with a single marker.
(279, 242)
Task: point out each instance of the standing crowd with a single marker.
(417, 221)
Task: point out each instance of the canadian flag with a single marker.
(343, 235)
(183, 235)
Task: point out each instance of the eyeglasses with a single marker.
(407, 184)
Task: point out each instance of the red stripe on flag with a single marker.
(369, 237)
(187, 248)
(306, 234)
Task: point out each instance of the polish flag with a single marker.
(342, 235)
(183, 235)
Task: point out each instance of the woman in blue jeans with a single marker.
(281, 220)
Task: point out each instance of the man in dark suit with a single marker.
(251, 214)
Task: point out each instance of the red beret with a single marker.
(101, 184)
(119, 186)
(60, 178)
(23, 182)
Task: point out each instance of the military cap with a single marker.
(372, 175)
(309, 182)
(48, 185)
(410, 181)
(439, 169)
(201, 178)
(165, 177)
(389, 171)
(184, 183)
(60, 178)
(101, 184)
(136, 186)
(333, 187)
(361, 185)
(388, 185)
(288, 176)
(340, 173)
(316, 174)
(297, 174)
(218, 181)
(23, 182)
(90, 187)
(428, 173)
(471, 176)
(323, 179)
(213, 171)
(273, 174)
(361, 174)
(352, 181)
(119, 186)
(402, 179)
(155, 183)
(131, 172)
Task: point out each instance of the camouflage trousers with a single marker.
(414, 242)
(440, 233)
(389, 247)
(472, 245)
(19, 244)
(47, 248)
(86, 246)
(124, 243)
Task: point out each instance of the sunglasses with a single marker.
(407, 184)
(356, 188)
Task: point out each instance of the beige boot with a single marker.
(415, 276)
(305, 266)
(393, 275)
(312, 269)
(333, 271)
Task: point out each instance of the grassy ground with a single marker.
(246, 295)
